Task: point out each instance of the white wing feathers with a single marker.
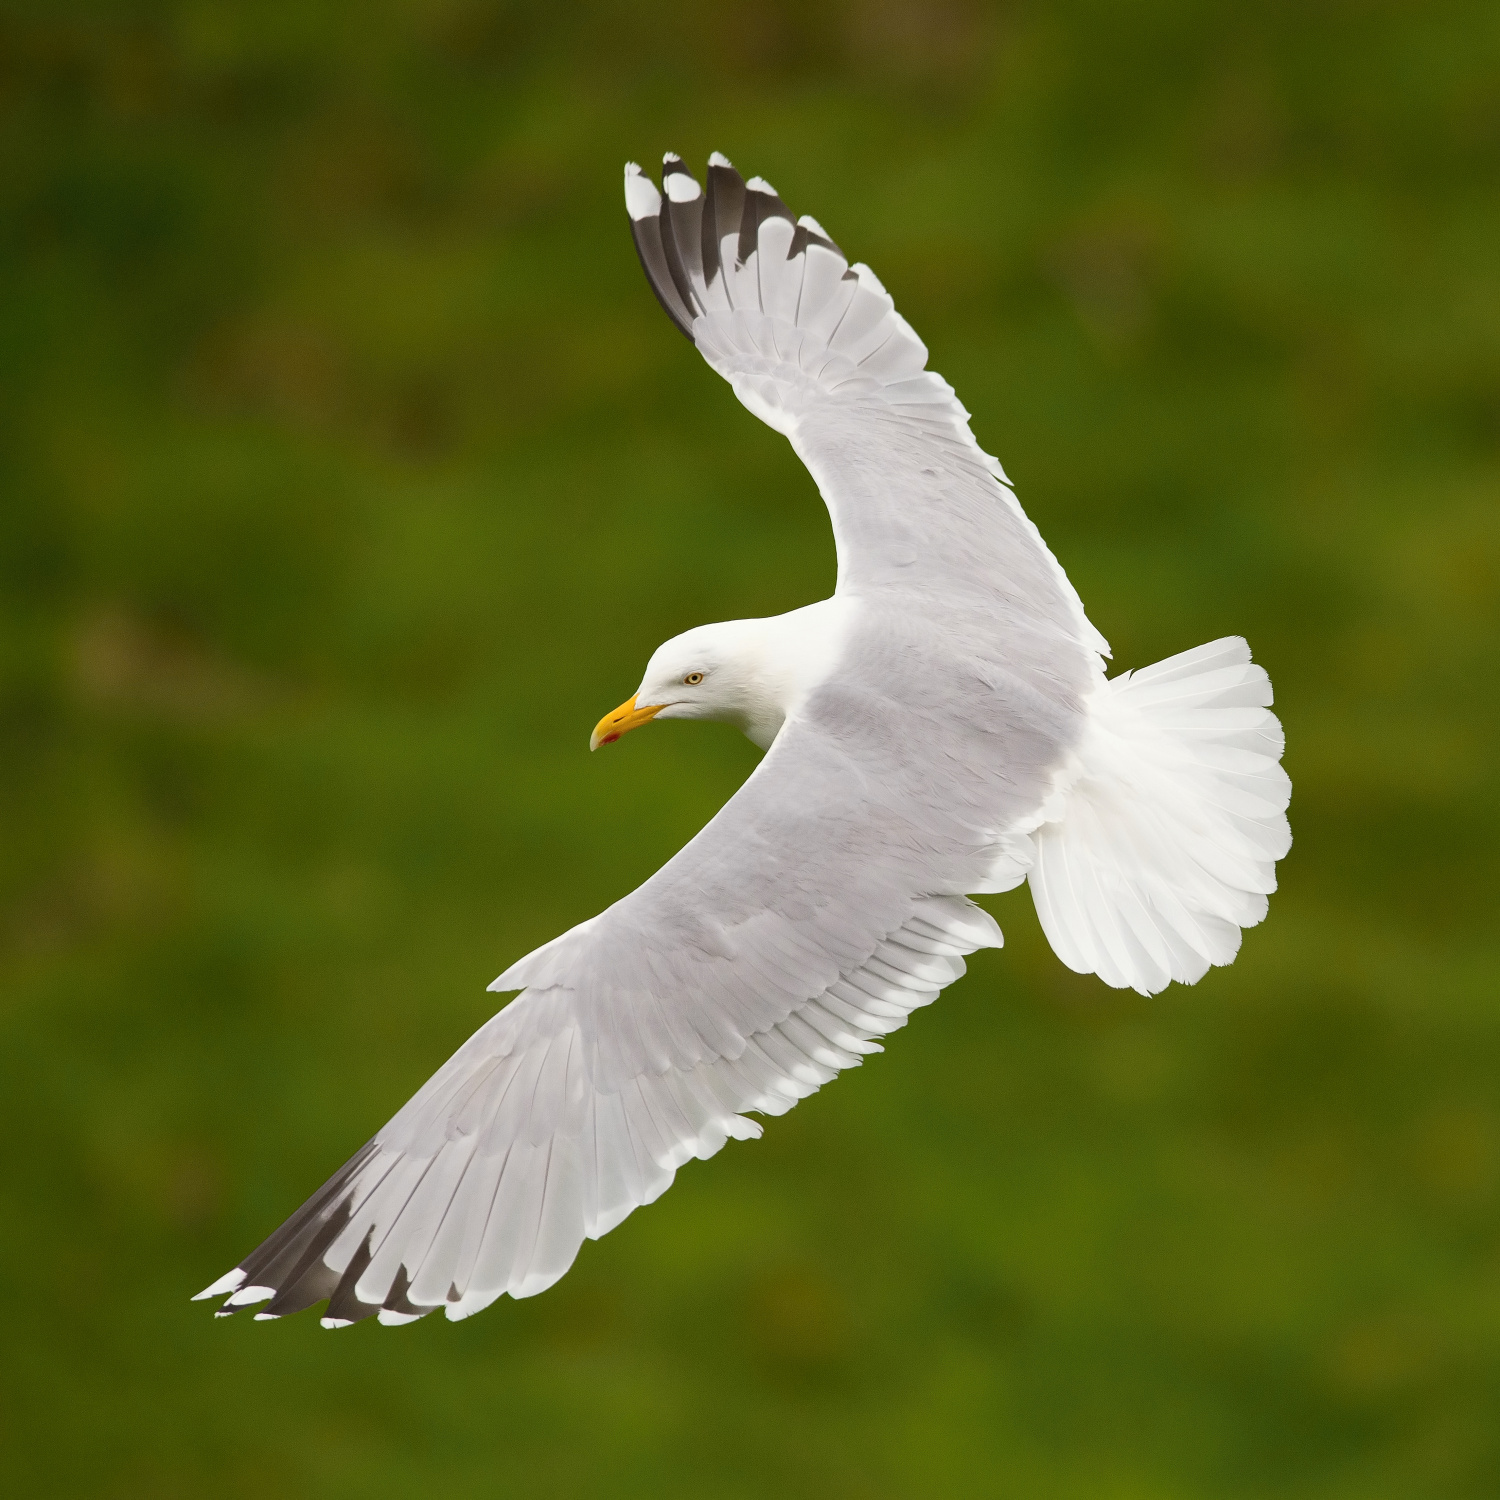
(1168, 824)
(491, 1177)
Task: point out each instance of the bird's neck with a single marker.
(786, 657)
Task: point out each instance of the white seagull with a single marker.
(941, 727)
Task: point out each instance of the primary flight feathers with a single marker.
(941, 727)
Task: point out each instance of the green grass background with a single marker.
(349, 471)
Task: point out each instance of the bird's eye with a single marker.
(693, 679)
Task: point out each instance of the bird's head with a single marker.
(707, 673)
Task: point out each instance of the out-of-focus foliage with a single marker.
(348, 471)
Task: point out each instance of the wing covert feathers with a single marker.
(1166, 829)
(509, 1157)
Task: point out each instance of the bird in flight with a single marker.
(941, 727)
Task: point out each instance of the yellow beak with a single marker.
(625, 718)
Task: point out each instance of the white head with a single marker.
(749, 673)
(711, 672)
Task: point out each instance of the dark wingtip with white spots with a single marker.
(694, 239)
(287, 1272)
(651, 226)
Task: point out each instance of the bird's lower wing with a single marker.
(512, 1155)
(817, 908)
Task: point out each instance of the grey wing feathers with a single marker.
(489, 1180)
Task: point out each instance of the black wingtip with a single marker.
(723, 212)
(686, 233)
(344, 1306)
(290, 1261)
(399, 1302)
(646, 207)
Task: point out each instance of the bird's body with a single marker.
(941, 727)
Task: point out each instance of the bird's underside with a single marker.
(964, 740)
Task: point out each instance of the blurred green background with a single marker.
(349, 471)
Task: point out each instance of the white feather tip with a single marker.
(642, 200)
(228, 1282)
(251, 1294)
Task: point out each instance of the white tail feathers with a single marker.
(1170, 824)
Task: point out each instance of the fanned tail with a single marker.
(1169, 828)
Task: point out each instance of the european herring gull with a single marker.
(941, 727)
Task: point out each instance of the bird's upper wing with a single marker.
(816, 349)
(825, 901)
